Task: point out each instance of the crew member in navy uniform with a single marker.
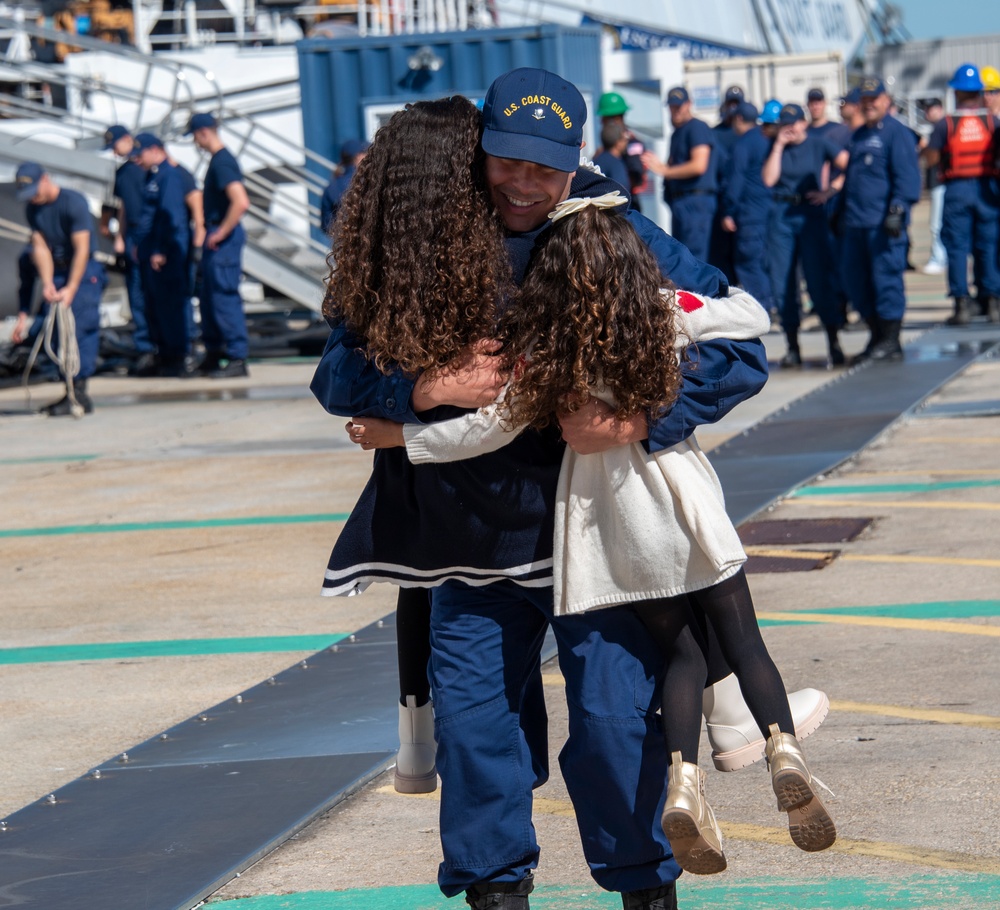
(798, 230)
(351, 154)
(721, 251)
(689, 180)
(62, 247)
(614, 141)
(223, 322)
(965, 145)
(882, 182)
(746, 205)
(130, 181)
(163, 243)
(612, 108)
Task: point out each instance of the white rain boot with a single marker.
(809, 823)
(733, 733)
(688, 820)
(415, 769)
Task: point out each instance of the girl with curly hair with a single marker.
(593, 319)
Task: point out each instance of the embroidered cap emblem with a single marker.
(538, 113)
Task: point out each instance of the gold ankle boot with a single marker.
(688, 820)
(809, 823)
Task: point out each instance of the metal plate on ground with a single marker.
(802, 530)
(757, 564)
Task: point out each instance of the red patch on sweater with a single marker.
(688, 302)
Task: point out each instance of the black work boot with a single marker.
(662, 898)
(793, 357)
(874, 337)
(889, 347)
(231, 369)
(64, 407)
(500, 895)
(837, 358)
(963, 312)
(993, 309)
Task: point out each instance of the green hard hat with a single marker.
(611, 105)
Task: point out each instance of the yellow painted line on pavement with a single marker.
(790, 554)
(876, 504)
(930, 472)
(922, 560)
(958, 440)
(899, 853)
(929, 715)
(884, 622)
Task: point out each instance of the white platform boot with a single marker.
(415, 768)
(733, 733)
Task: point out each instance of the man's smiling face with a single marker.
(524, 192)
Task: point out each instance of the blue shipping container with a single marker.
(352, 85)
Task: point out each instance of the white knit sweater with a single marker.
(629, 525)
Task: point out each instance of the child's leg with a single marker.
(729, 607)
(413, 644)
(672, 625)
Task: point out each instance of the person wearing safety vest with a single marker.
(612, 108)
(965, 146)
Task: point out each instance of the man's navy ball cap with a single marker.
(534, 115)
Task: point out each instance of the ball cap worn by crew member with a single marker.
(747, 112)
(815, 94)
(677, 96)
(791, 113)
(872, 87)
(199, 122)
(734, 93)
(26, 180)
(852, 97)
(142, 141)
(352, 148)
(534, 115)
(113, 133)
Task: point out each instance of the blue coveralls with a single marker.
(748, 202)
(165, 229)
(57, 221)
(693, 200)
(798, 234)
(130, 181)
(613, 168)
(837, 135)
(722, 247)
(330, 200)
(882, 172)
(223, 322)
(485, 643)
(970, 225)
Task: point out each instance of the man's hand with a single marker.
(471, 381)
(157, 261)
(593, 428)
(893, 224)
(49, 292)
(20, 328)
(375, 433)
(729, 224)
(818, 197)
(213, 240)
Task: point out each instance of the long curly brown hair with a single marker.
(418, 263)
(591, 314)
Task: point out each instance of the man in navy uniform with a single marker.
(351, 154)
(965, 145)
(162, 248)
(223, 322)
(882, 182)
(130, 182)
(62, 248)
(689, 179)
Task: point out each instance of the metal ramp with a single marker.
(153, 92)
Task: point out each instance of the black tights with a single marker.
(681, 626)
(413, 643)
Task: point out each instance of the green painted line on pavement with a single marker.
(924, 892)
(121, 527)
(946, 609)
(897, 487)
(47, 459)
(185, 647)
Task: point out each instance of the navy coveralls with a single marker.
(693, 200)
(130, 181)
(748, 202)
(485, 640)
(798, 233)
(882, 172)
(165, 229)
(57, 221)
(223, 323)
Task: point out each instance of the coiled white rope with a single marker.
(59, 322)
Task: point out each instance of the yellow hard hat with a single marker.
(991, 78)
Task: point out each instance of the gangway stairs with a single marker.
(155, 93)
